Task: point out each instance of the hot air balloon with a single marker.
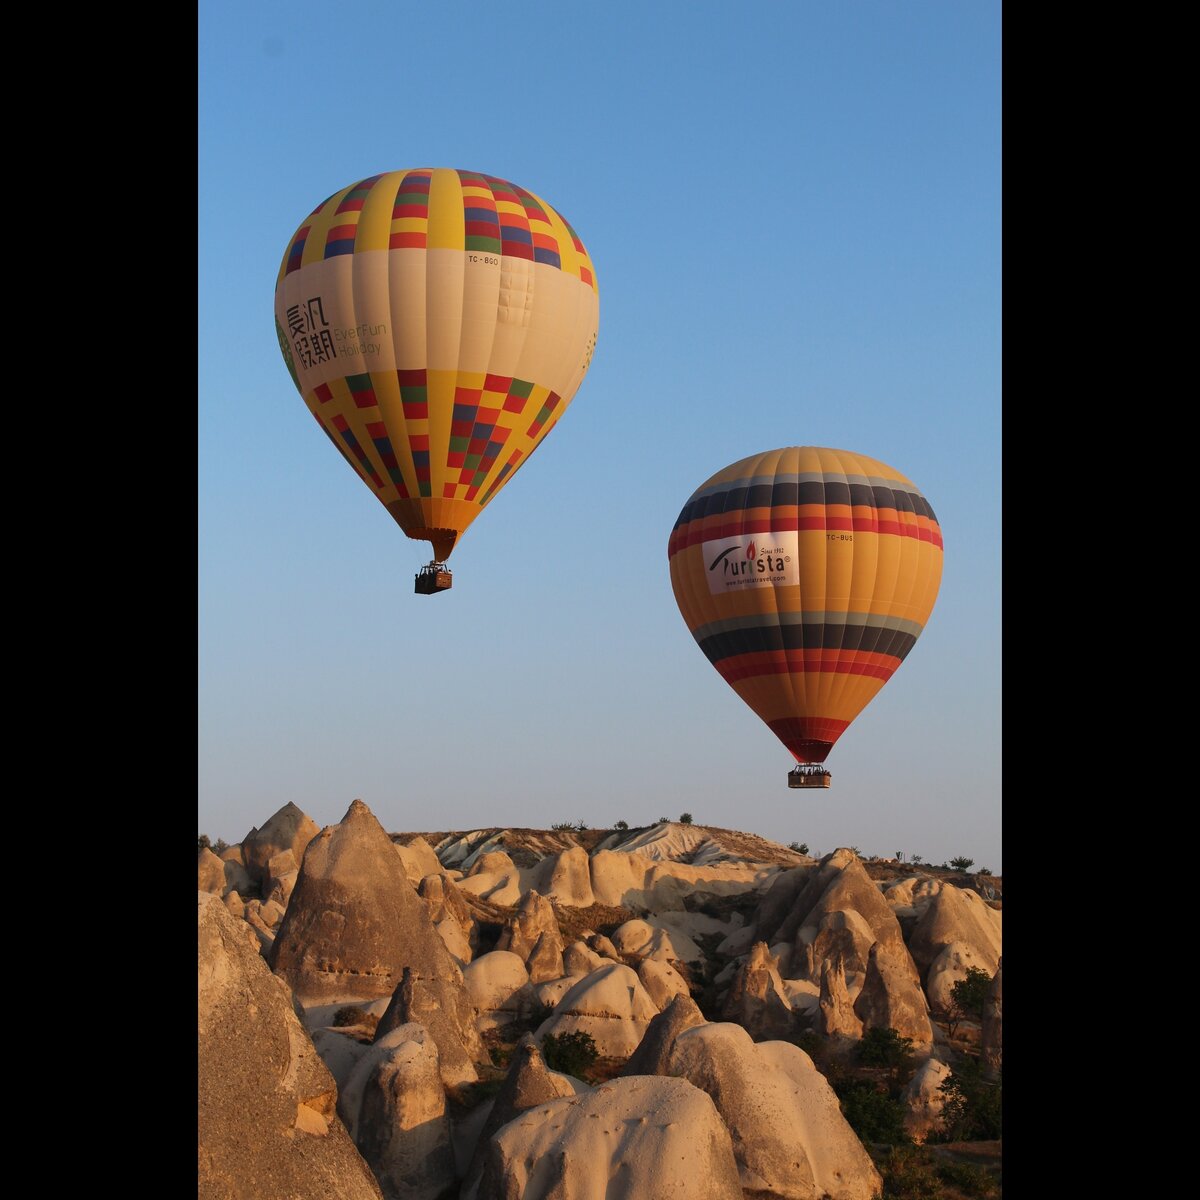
(806, 575)
(437, 324)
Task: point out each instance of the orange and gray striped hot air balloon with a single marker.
(437, 324)
(806, 575)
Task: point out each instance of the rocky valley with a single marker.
(575, 1014)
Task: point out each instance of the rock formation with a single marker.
(790, 1139)
(757, 1000)
(288, 829)
(662, 982)
(955, 916)
(418, 858)
(529, 1082)
(639, 1138)
(992, 1035)
(923, 1099)
(533, 935)
(611, 1005)
(266, 1101)
(394, 1105)
(835, 1016)
(354, 921)
(439, 1002)
(653, 1055)
(498, 986)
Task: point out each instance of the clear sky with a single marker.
(794, 211)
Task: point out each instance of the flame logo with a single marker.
(750, 551)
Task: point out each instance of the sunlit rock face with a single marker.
(394, 1105)
(288, 829)
(418, 858)
(529, 1082)
(353, 921)
(266, 1101)
(441, 1004)
(960, 918)
(924, 1100)
(533, 935)
(611, 1005)
(653, 1055)
(757, 1000)
(790, 1139)
(637, 1138)
(845, 936)
(662, 982)
(498, 985)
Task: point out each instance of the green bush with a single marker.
(968, 997)
(973, 1108)
(909, 1174)
(968, 1178)
(872, 1113)
(799, 847)
(685, 818)
(621, 825)
(962, 863)
(884, 1048)
(571, 1053)
(202, 843)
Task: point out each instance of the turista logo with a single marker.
(741, 562)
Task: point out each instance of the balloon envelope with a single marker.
(806, 575)
(437, 323)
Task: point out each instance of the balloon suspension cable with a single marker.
(808, 775)
(432, 578)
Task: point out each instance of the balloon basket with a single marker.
(808, 775)
(433, 578)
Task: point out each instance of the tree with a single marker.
(973, 1104)
(968, 997)
(873, 1113)
(685, 818)
(220, 845)
(203, 843)
(961, 863)
(884, 1048)
(621, 825)
(571, 1053)
(799, 847)
(664, 820)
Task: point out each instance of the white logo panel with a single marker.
(752, 560)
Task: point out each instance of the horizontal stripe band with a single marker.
(790, 491)
(780, 522)
(857, 639)
(806, 662)
(814, 617)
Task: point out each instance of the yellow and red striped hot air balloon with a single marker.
(437, 323)
(806, 575)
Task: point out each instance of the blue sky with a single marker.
(794, 211)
